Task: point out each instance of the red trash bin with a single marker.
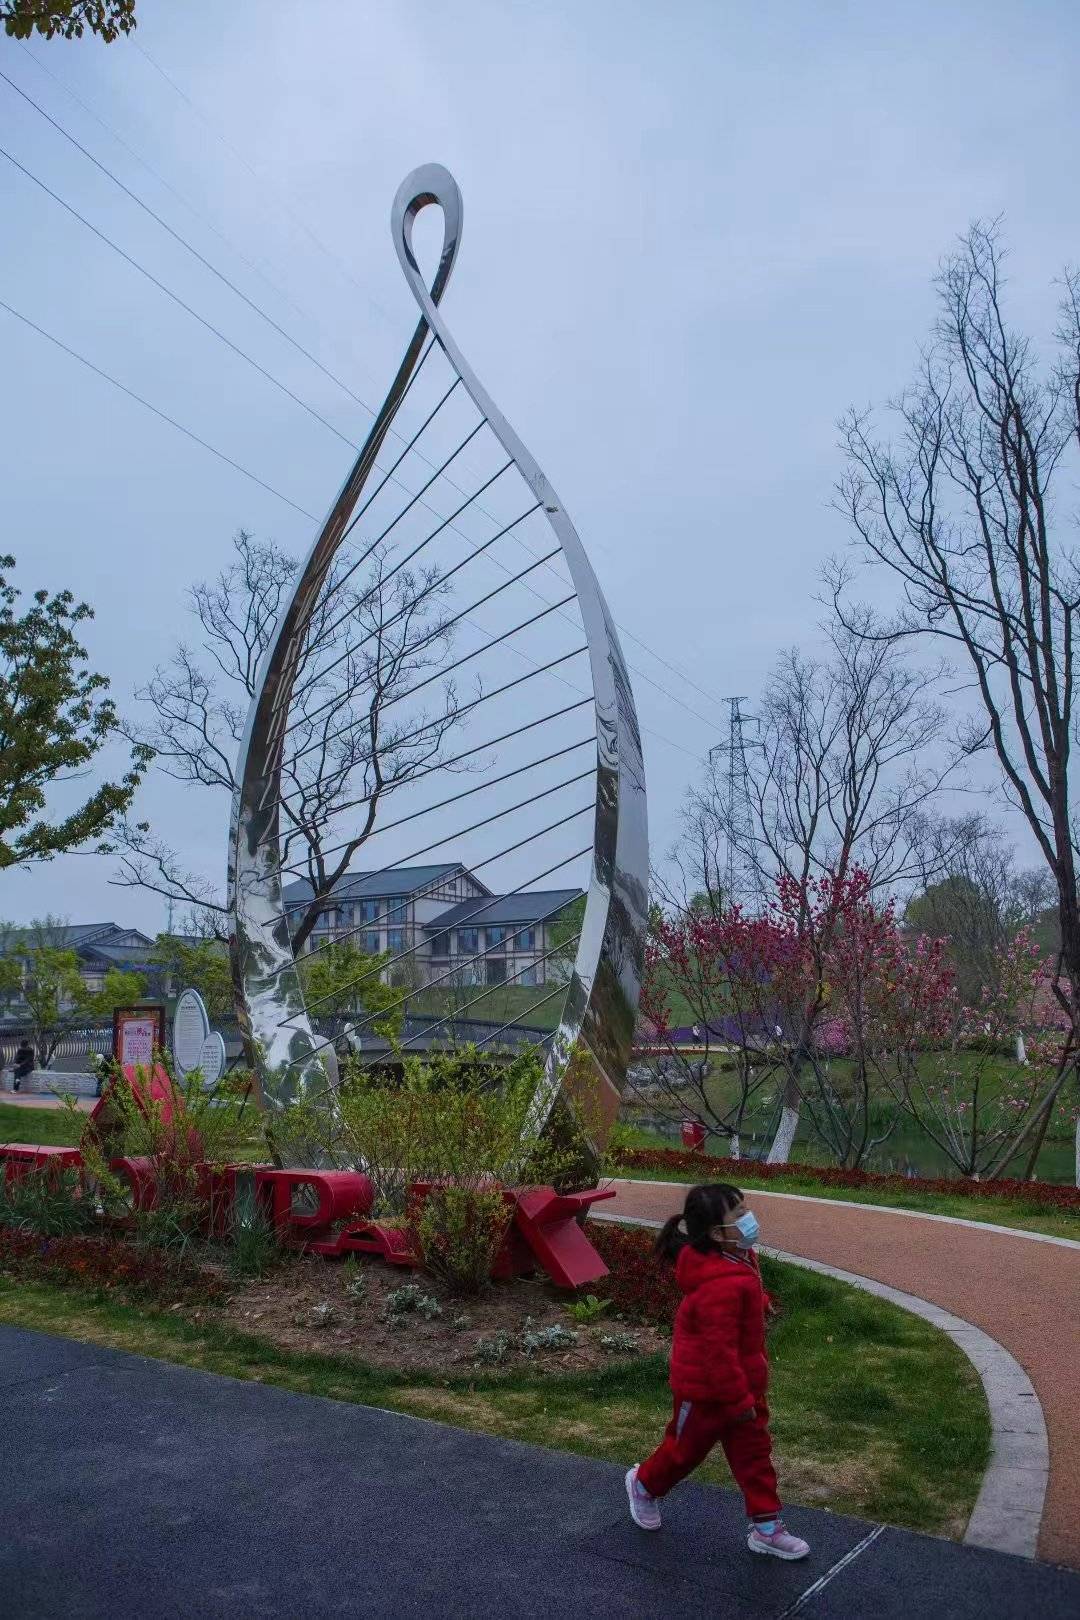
(693, 1135)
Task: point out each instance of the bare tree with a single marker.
(352, 738)
(970, 512)
(842, 773)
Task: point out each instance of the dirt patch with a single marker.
(311, 1304)
(819, 1482)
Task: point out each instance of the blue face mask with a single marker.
(748, 1229)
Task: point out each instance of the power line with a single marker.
(301, 224)
(173, 423)
(162, 181)
(339, 262)
(160, 285)
(246, 473)
(671, 696)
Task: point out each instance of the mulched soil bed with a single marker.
(1054, 1194)
(306, 1304)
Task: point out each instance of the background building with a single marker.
(441, 923)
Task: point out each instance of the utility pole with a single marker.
(742, 877)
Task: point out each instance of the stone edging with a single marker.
(1008, 1509)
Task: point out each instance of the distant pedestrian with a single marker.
(719, 1369)
(23, 1064)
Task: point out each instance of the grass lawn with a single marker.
(907, 1143)
(52, 1126)
(501, 1004)
(875, 1412)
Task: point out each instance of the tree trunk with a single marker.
(734, 1151)
(782, 1142)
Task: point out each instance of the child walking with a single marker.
(719, 1370)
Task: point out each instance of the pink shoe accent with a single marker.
(644, 1509)
(780, 1544)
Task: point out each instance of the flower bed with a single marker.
(109, 1263)
(639, 1286)
(1052, 1194)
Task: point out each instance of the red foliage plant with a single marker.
(1056, 1196)
(639, 1285)
(95, 1262)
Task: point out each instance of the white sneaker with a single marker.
(780, 1544)
(644, 1509)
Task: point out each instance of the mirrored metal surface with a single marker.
(587, 1059)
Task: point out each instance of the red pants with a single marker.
(695, 1428)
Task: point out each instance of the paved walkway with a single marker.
(1025, 1294)
(132, 1487)
(38, 1099)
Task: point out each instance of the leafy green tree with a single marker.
(198, 964)
(343, 981)
(10, 967)
(57, 1000)
(52, 723)
(68, 18)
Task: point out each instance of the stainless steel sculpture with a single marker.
(589, 1054)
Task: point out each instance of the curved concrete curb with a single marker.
(1008, 1509)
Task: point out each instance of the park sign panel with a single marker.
(190, 1031)
(138, 1033)
(212, 1059)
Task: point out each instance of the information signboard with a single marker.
(190, 1029)
(138, 1032)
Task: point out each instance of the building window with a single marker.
(395, 941)
(440, 945)
(496, 971)
(468, 941)
(367, 911)
(369, 944)
(528, 975)
(526, 940)
(496, 939)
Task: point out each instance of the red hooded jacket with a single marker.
(718, 1348)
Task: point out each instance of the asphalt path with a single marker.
(136, 1487)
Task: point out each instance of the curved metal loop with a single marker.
(429, 184)
(588, 1057)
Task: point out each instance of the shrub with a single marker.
(619, 1344)
(409, 1298)
(639, 1285)
(555, 1337)
(460, 1230)
(49, 1201)
(185, 1132)
(495, 1350)
(254, 1244)
(588, 1309)
(464, 1127)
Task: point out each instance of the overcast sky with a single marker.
(694, 235)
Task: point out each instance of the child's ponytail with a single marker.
(671, 1239)
(704, 1209)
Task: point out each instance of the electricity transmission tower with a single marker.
(742, 879)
